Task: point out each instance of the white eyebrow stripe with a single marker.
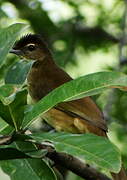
(30, 44)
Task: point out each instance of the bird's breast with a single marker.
(42, 80)
(38, 88)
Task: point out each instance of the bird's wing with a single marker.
(86, 109)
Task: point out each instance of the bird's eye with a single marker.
(31, 47)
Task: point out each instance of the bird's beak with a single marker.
(17, 52)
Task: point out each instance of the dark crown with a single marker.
(27, 39)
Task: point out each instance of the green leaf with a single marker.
(17, 72)
(16, 108)
(18, 169)
(81, 87)
(37, 154)
(2, 14)
(7, 93)
(3, 124)
(94, 149)
(19, 150)
(33, 169)
(11, 153)
(5, 129)
(12, 108)
(8, 37)
(5, 114)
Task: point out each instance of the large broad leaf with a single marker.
(92, 148)
(81, 87)
(17, 72)
(8, 37)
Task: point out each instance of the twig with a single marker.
(4, 140)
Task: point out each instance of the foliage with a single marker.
(69, 37)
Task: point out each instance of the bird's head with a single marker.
(31, 47)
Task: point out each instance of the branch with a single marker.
(73, 164)
(98, 32)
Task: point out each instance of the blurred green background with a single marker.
(85, 37)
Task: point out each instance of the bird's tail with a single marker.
(120, 176)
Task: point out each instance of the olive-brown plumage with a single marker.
(78, 116)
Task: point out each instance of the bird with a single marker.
(76, 116)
